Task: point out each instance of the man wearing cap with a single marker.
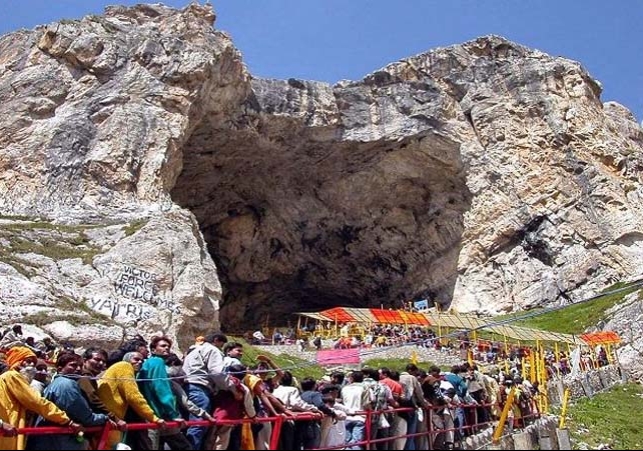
(17, 397)
(66, 394)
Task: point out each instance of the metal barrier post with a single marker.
(368, 425)
(102, 441)
(430, 427)
(276, 432)
(503, 416)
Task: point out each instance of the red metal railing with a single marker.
(277, 422)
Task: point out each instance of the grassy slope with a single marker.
(298, 367)
(603, 419)
(576, 318)
(611, 418)
(394, 364)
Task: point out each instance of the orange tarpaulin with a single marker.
(415, 318)
(601, 338)
(375, 315)
(386, 316)
(338, 314)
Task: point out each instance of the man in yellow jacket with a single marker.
(118, 390)
(17, 397)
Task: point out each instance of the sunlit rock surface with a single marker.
(190, 196)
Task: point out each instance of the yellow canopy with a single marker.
(436, 319)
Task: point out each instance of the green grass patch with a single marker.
(576, 318)
(53, 249)
(66, 309)
(298, 367)
(41, 319)
(394, 364)
(19, 264)
(16, 217)
(56, 241)
(44, 225)
(134, 226)
(608, 418)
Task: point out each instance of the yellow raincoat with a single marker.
(118, 390)
(16, 398)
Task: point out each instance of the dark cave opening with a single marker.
(303, 223)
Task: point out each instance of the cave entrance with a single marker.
(297, 220)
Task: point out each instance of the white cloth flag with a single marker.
(575, 361)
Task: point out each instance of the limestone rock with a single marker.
(485, 176)
(136, 152)
(146, 276)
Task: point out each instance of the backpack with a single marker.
(379, 396)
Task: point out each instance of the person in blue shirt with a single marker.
(67, 395)
(460, 385)
(311, 429)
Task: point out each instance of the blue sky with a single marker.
(331, 40)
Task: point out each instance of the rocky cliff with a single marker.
(176, 187)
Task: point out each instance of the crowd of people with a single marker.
(145, 382)
(486, 352)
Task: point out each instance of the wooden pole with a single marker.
(336, 327)
(615, 356)
(537, 363)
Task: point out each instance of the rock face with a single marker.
(99, 283)
(485, 176)
(94, 115)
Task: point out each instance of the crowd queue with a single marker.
(510, 356)
(42, 384)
